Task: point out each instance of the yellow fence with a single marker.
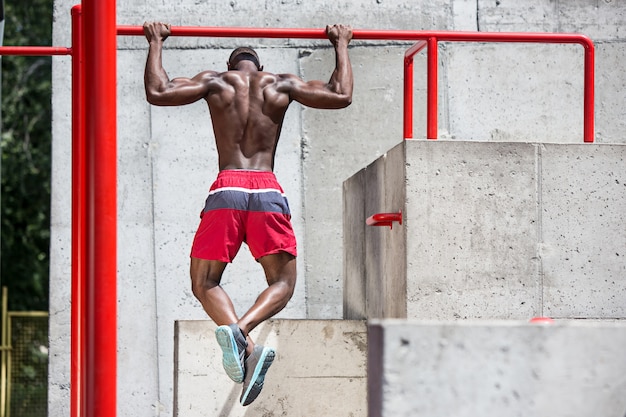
(24, 364)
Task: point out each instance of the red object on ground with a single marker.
(541, 320)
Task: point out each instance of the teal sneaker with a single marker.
(256, 366)
(233, 344)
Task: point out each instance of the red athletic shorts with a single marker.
(244, 206)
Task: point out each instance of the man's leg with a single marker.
(280, 272)
(205, 282)
(205, 285)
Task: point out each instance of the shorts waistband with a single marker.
(246, 173)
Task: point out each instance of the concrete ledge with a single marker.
(491, 230)
(320, 370)
(496, 369)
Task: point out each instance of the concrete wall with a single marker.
(496, 369)
(490, 230)
(167, 160)
(319, 370)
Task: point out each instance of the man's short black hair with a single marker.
(244, 53)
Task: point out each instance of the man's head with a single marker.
(244, 54)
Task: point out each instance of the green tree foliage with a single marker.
(26, 156)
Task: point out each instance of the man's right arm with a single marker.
(160, 90)
(337, 92)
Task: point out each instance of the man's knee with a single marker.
(204, 276)
(285, 280)
(200, 286)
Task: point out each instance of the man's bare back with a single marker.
(247, 105)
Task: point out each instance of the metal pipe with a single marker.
(407, 116)
(432, 93)
(79, 249)
(384, 219)
(365, 34)
(589, 93)
(100, 46)
(35, 50)
(408, 88)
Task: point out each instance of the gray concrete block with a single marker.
(494, 369)
(354, 247)
(471, 225)
(497, 230)
(320, 369)
(385, 246)
(376, 298)
(583, 200)
(375, 256)
(395, 235)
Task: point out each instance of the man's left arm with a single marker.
(160, 90)
(337, 92)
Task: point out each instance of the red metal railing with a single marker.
(94, 169)
(431, 39)
(428, 39)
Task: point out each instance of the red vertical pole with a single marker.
(100, 122)
(408, 86)
(589, 95)
(79, 224)
(408, 97)
(431, 108)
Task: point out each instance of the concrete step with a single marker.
(496, 369)
(319, 370)
(408, 368)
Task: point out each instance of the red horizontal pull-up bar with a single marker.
(366, 34)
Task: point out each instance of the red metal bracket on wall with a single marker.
(384, 219)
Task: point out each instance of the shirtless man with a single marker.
(246, 203)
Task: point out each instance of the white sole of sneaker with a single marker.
(230, 353)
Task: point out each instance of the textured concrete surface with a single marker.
(319, 370)
(496, 369)
(491, 230)
(584, 231)
(166, 158)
